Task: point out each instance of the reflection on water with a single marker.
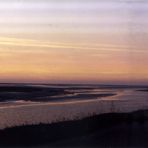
(76, 103)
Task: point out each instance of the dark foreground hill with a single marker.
(106, 130)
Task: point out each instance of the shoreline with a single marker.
(52, 112)
(47, 94)
(110, 129)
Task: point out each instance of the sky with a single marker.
(74, 41)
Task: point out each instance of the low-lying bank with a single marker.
(112, 129)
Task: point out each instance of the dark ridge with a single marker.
(106, 130)
(28, 93)
(19, 89)
(145, 90)
(81, 85)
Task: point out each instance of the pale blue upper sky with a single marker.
(72, 15)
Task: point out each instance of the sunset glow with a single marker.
(74, 41)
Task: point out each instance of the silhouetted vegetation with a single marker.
(114, 129)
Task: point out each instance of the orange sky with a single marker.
(74, 42)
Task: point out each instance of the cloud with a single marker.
(8, 42)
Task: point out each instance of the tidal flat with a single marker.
(68, 115)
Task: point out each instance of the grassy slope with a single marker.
(114, 129)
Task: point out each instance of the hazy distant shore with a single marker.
(144, 90)
(28, 93)
(105, 130)
(44, 94)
